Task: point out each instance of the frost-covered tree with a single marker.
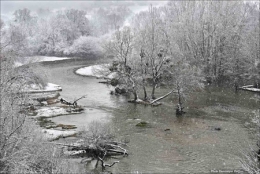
(146, 56)
(184, 79)
(22, 147)
(152, 41)
(22, 15)
(79, 21)
(215, 35)
(85, 45)
(125, 63)
(109, 19)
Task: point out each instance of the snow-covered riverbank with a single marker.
(99, 71)
(52, 134)
(50, 87)
(33, 59)
(52, 130)
(46, 105)
(94, 70)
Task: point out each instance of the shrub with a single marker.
(84, 46)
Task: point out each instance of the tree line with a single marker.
(185, 45)
(69, 32)
(220, 38)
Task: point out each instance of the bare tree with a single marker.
(125, 65)
(250, 155)
(152, 41)
(21, 144)
(184, 79)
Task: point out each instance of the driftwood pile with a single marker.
(97, 144)
(99, 151)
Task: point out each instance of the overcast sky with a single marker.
(8, 7)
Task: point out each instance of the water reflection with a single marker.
(189, 145)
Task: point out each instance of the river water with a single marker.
(190, 145)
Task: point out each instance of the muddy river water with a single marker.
(187, 144)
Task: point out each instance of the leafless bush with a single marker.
(22, 150)
(251, 155)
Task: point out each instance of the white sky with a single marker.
(8, 7)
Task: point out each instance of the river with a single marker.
(189, 145)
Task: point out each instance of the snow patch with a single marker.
(51, 112)
(52, 134)
(112, 75)
(95, 71)
(33, 59)
(50, 87)
(17, 64)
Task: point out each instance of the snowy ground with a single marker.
(32, 59)
(99, 71)
(50, 87)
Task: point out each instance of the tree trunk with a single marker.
(134, 89)
(153, 91)
(145, 94)
(135, 95)
(179, 109)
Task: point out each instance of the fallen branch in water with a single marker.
(96, 144)
(84, 96)
(104, 165)
(152, 102)
(250, 88)
(74, 103)
(162, 97)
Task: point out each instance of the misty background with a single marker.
(8, 7)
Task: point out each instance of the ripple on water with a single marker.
(84, 119)
(190, 145)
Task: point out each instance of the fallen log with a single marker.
(152, 102)
(250, 88)
(118, 152)
(105, 82)
(162, 97)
